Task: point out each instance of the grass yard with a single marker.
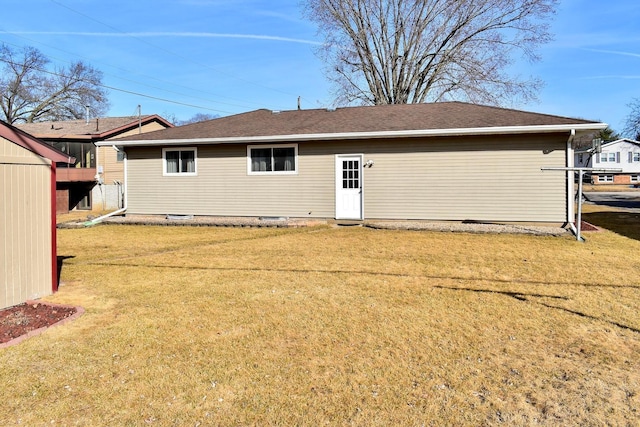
(334, 326)
(620, 221)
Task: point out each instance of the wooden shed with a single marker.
(28, 259)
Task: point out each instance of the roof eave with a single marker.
(502, 130)
(63, 137)
(33, 144)
(132, 125)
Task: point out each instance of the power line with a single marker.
(164, 100)
(167, 51)
(129, 71)
(53, 73)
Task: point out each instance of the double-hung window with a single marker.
(179, 161)
(635, 157)
(608, 157)
(272, 160)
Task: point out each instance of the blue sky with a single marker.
(230, 56)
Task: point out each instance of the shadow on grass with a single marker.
(60, 260)
(624, 223)
(351, 272)
(520, 296)
(525, 298)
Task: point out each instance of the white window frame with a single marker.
(635, 157)
(606, 157)
(605, 178)
(272, 146)
(164, 161)
(634, 178)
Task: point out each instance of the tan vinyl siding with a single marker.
(482, 179)
(112, 169)
(471, 178)
(25, 225)
(223, 187)
(148, 127)
(108, 157)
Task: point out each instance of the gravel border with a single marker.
(478, 228)
(281, 222)
(211, 221)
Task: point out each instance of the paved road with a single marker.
(628, 200)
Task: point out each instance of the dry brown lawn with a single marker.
(334, 326)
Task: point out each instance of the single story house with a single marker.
(28, 259)
(622, 154)
(437, 161)
(95, 181)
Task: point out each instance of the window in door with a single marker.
(350, 174)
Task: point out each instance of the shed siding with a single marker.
(476, 178)
(25, 225)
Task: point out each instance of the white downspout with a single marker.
(571, 215)
(119, 211)
(98, 177)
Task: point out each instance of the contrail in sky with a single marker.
(615, 52)
(167, 34)
(627, 77)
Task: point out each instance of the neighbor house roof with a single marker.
(33, 144)
(609, 144)
(94, 129)
(444, 118)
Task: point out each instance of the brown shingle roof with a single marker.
(383, 118)
(95, 129)
(33, 144)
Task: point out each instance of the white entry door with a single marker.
(349, 187)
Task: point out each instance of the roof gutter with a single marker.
(500, 130)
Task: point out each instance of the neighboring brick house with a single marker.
(95, 181)
(621, 154)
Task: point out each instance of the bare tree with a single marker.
(198, 117)
(413, 51)
(632, 127)
(29, 92)
(604, 135)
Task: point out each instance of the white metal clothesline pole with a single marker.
(581, 172)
